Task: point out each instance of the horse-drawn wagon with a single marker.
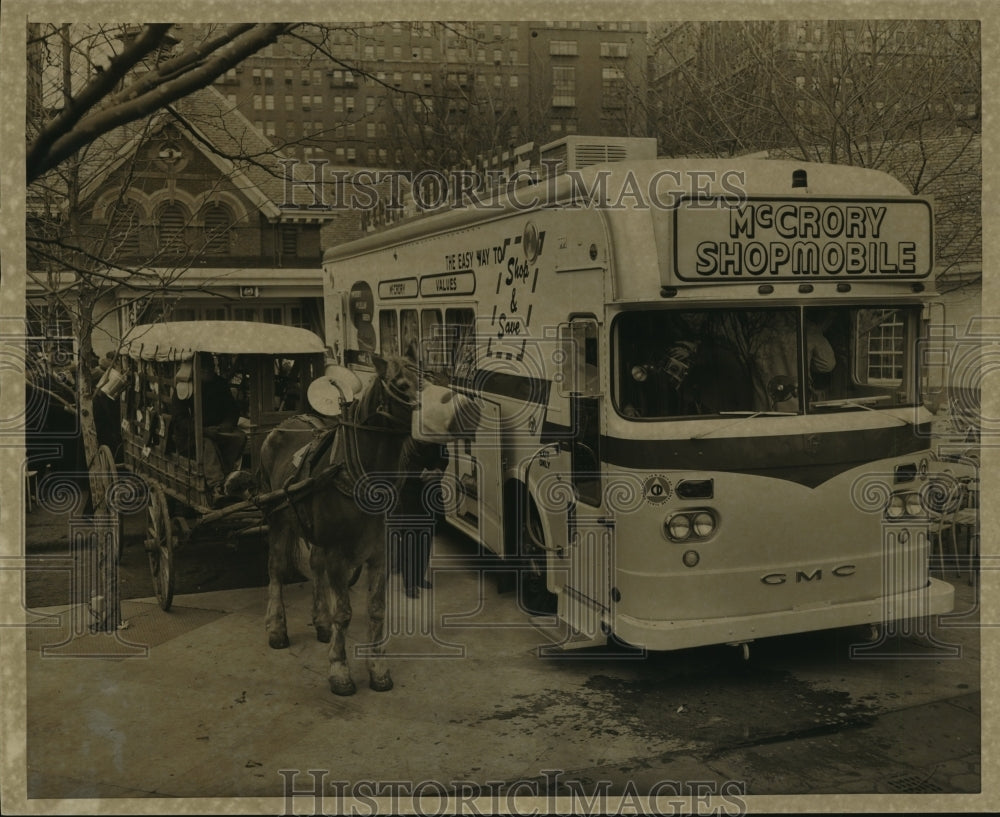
(199, 399)
(254, 425)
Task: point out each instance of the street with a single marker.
(193, 703)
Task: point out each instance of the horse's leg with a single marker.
(379, 678)
(280, 539)
(322, 619)
(340, 673)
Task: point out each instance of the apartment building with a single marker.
(437, 94)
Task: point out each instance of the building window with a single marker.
(269, 102)
(170, 228)
(289, 102)
(289, 237)
(369, 104)
(563, 48)
(258, 102)
(218, 221)
(370, 130)
(614, 49)
(612, 87)
(563, 87)
(124, 229)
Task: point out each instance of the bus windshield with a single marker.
(781, 360)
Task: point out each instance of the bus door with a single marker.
(476, 465)
(590, 534)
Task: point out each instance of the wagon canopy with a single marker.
(181, 340)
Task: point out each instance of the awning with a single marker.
(180, 340)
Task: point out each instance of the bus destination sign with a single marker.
(793, 239)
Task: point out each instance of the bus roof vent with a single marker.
(575, 152)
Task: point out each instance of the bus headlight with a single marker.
(703, 524)
(678, 527)
(896, 507)
(905, 505)
(697, 523)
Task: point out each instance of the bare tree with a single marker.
(130, 73)
(898, 96)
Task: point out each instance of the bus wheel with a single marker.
(533, 594)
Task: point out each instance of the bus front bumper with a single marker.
(914, 607)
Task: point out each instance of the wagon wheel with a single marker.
(103, 474)
(160, 547)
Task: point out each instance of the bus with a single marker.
(700, 417)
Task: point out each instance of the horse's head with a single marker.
(397, 387)
(438, 413)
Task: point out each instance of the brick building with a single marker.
(435, 94)
(187, 229)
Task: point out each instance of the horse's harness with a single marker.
(340, 438)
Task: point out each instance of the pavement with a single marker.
(193, 704)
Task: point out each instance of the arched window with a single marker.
(124, 229)
(172, 220)
(218, 221)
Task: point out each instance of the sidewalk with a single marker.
(193, 703)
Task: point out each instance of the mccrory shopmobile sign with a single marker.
(775, 239)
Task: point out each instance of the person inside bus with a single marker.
(776, 360)
(700, 374)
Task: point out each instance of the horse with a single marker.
(335, 525)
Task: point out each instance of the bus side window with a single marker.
(388, 332)
(433, 342)
(461, 339)
(409, 333)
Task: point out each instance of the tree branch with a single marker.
(161, 90)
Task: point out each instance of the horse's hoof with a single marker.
(277, 641)
(380, 684)
(324, 634)
(342, 687)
